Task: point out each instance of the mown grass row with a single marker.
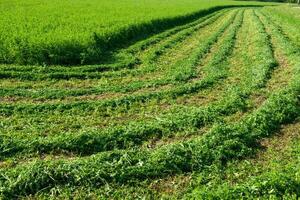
(276, 184)
(128, 56)
(120, 137)
(216, 70)
(190, 61)
(43, 73)
(185, 69)
(154, 53)
(281, 182)
(274, 174)
(262, 73)
(137, 133)
(285, 33)
(129, 59)
(125, 163)
(146, 127)
(286, 18)
(86, 46)
(223, 143)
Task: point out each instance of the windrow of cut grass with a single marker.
(42, 73)
(116, 87)
(185, 69)
(221, 144)
(129, 54)
(286, 18)
(44, 94)
(277, 176)
(196, 100)
(195, 154)
(154, 129)
(135, 134)
(38, 123)
(273, 174)
(215, 72)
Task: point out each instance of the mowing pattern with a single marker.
(195, 96)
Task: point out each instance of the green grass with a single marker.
(205, 106)
(75, 32)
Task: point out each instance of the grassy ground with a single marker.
(76, 32)
(204, 109)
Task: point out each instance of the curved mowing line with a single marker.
(170, 78)
(130, 59)
(264, 75)
(121, 137)
(285, 27)
(281, 31)
(42, 73)
(216, 70)
(184, 70)
(222, 144)
(155, 53)
(136, 133)
(97, 50)
(290, 48)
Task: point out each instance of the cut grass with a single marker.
(184, 113)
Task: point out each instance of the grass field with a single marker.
(201, 102)
(83, 32)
